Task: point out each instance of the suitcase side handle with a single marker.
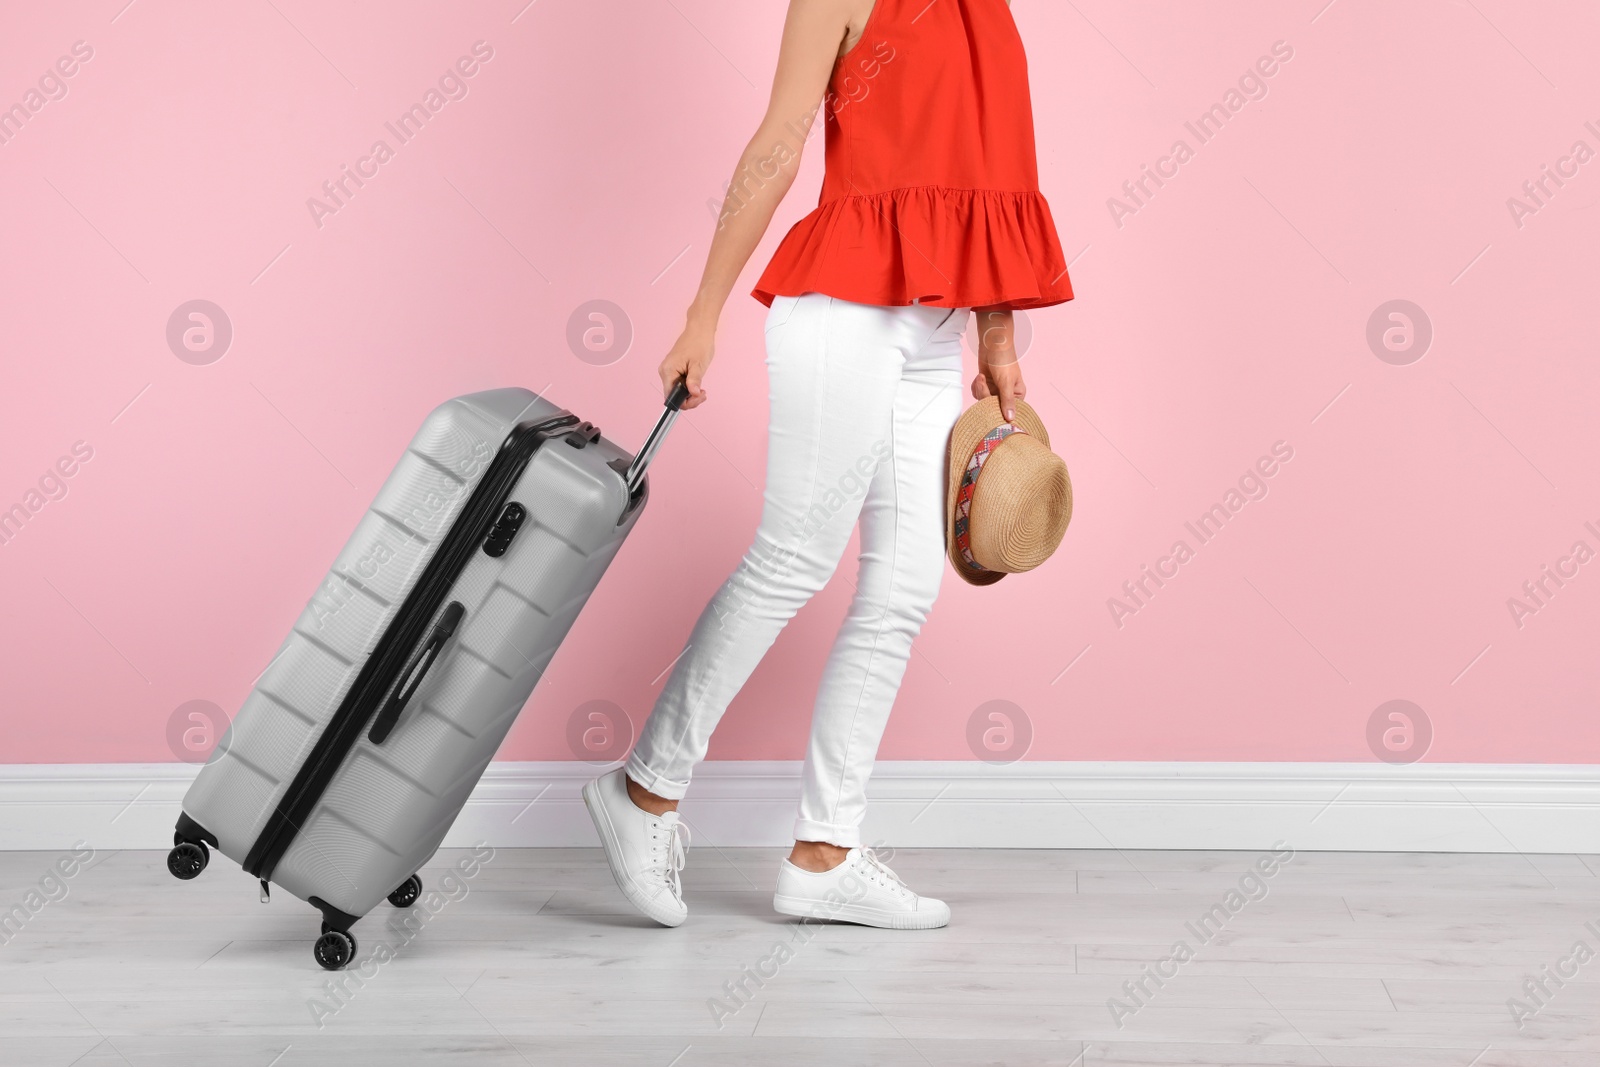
(647, 452)
(415, 670)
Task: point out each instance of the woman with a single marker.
(930, 210)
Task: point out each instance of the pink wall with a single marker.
(1227, 313)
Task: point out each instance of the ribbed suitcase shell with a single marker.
(389, 805)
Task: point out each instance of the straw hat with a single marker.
(1011, 511)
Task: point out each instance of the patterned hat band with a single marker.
(969, 486)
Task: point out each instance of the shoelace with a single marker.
(881, 873)
(677, 852)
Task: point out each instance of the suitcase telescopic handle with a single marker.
(416, 669)
(647, 452)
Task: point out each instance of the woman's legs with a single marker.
(862, 399)
(836, 373)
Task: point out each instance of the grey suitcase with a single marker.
(361, 741)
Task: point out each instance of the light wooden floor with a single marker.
(1404, 960)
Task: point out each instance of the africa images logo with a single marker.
(52, 485)
(1252, 85)
(51, 86)
(1252, 485)
(452, 86)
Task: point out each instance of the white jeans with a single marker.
(862, 402)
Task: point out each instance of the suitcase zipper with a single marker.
(389, 656)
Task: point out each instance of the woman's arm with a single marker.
(999, 373)
(811, 37)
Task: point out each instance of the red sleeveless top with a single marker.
(931, 188)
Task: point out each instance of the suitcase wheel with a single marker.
(187, 859)
(334, 949)
(408, 892)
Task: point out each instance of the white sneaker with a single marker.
(862, 890)
(645, 852)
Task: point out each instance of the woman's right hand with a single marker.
(688, 359)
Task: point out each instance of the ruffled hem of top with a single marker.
(941, 247)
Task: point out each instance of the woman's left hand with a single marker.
(1003, 381)
(999, 370)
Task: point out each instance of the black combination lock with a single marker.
(504, 529)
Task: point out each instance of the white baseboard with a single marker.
(1312, 806)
